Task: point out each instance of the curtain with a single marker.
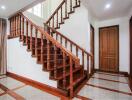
(3, 44)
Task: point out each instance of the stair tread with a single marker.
(71, 12)
(43, 47)
(76, 81)
(58, 67)
(76, 6)
(60, 76)
(54, 60)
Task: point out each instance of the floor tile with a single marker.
(2, 76)
(1, 91)
(111, 85)
(10, 83)
(111, 74)
(31, 93)
(101, 94)
(116, 78)
(6, 97)
(76, 98)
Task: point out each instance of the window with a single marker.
(37, 10)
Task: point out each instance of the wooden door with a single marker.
(109, 48)
(131, 47)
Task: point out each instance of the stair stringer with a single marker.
(22, 63)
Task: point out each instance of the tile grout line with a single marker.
(109, 89)
(3, 77)
(11, 93)
(82, 97)
(109, 80)
(3, 93)
(110, 74)
(19, 87)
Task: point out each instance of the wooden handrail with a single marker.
(53, 40)
(73, 43)
(67, 7)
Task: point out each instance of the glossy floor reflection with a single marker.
(9, 86)
(109, 89)
(101, 86)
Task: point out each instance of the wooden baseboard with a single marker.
(41, 86)
(121, 72)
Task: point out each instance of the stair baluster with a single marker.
(83, 61)
(77, 51)
(79, 2)
(14, 26)
(26, 32)
(42, 46)
(31, 37)
(61, 40)
(53, 22)
(61, 15)
(55, 62)
(65, 8)
(20, 28)
(64, 70)
(71, 47)
(36, 42)
(76, 2)
(48, 54)
(65, 43)
(87, 65)
(71, 78)
(57, 20)
(70, 6)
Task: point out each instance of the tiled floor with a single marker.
(101, 86)
(104, 86)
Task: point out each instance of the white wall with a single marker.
(20, 62)
(123, 41)
(35, 19)
(77, 28)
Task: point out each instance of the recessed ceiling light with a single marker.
(107, 6)
(3, 7)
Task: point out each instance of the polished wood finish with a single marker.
(63, 66)
(92, 44)
(109, 48)
(130, 77)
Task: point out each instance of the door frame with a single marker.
(118, 46)
(92, 41)
(130, 45)
(130, 34)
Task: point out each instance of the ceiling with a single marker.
(118, 8)
(12, 6)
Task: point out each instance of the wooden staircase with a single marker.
(69, 67)
(62, 13)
